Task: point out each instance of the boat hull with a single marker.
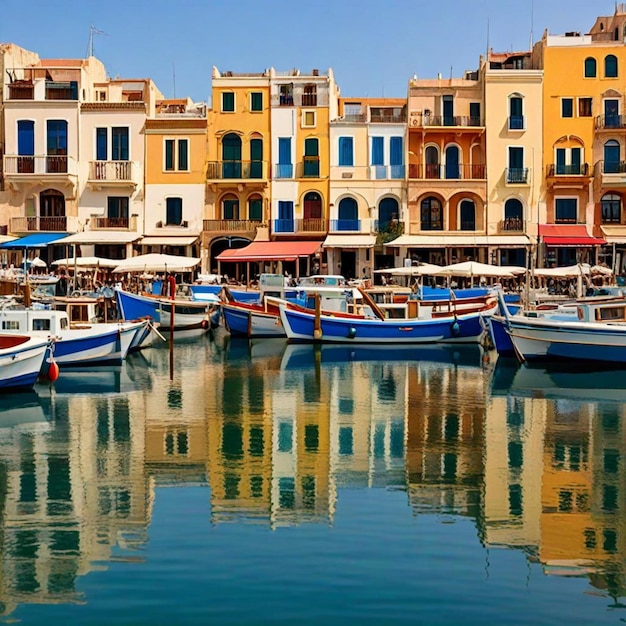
(20, 365)
(246, 322)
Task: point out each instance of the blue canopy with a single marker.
(36, 240)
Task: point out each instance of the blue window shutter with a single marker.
(285, 210)
(346, 151)
(284, 150)
(395, 151)
(174, 211)
(102, 152)
(26, 138)
(378, 151)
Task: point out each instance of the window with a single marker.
(474, 111)
(256, 158)
(568, 161)
(311, 166)
(566, 210)
(612, 156)
(516, 115)
(610, 66)
(56, 138)
(25, 146)
(285, 222)
(567, 107)
(378, 151)
(285, 166)
(255, 209)
(611, 208)
(228, 102)
(174, 211)
(119, 144)
(584, 107)
(346, 151)
(517, 172)
(230, 209)
(10, 325)
(41, 324)
(117, 207)
(590, 67)
(308, 119)
(256, 101)
(176, 155)
(468, 215)
(431, 214)
(102, 144)
(396, 157)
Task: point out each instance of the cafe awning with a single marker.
(568, 235)
(456, 241)
(36, 240)
(614, 234)
(169, 241)
(93, 237)
(349, 241)
(270, 251)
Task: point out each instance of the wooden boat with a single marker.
(418, 326)
(75, 345)
(21, 360)
(593, 331)
(189, 315)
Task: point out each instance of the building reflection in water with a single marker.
(276, 432)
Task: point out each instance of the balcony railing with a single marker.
(34, 224)
(236, 170)
(384, 117)
(511, 225)
(113, 223)
(304, 225)
(448, 120)
(575, 169)
(516, 122)
(309, 168)
(388, 172)
(56, 90)
(516, 175)
(38, 164)
(111, 170)
(612, 167)
(465, 171)
(283, 170)
(21, 90)
(297, 98)
(230, 225)
(345, 225)
(610, 121)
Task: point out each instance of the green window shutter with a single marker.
(183, 154)
(228, 101)
(169, 155)
(256, 103)
(255, 210)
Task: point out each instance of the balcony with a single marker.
(446, 121)
(512, 225)
(517, 122)
(40, 168)
(57, 224)
(113, 223)
(387, 117)
(237, 170)
(345, 226)
(387, 172)
(230, 226)
(22, 90)
(283, 170)
(311, 225)
(561, 175)
(437, 171)
(612, 172)
(309, 168)
(610, 122)
(516, 176)
(299, 98)
(56, 90)
(112, 173)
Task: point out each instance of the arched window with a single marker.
(612, 157)
(348, 215)
(468, 215)
(231, 156)
(432, 162)
(52, 210)
(452, 162)
(313, 208)
(610, 66)
(516, 112)
(256, 158)
(388, 212)
(255, 208)
(431, 214)
(230, 207)
(513, 215)
(590, 67)
(611, 208)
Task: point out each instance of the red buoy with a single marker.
(53, 371)
(204, 324)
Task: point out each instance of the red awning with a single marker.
(271, 251)
(563, 235)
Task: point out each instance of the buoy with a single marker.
(204, 324)
(53, 371)
(455, 329)
(351, 332)
(317, 334)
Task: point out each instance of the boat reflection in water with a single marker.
(286, 436)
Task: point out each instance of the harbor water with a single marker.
(250, 483)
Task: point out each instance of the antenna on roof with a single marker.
(532, 22)
(174, 76)
(93, 31)
(487, 55)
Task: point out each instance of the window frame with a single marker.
(561, 220)
(587, 66)
(259, 94)
(222, 102)
(567, 106)
(585, 99)
(613, 59)
(167, 209)
(345, 151)
(313, 114)
(176, 154)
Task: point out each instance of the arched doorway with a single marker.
(452, 162)
(231, 156)
(313, 211)
(611, 157)
(432, 162)
(388, 213)
(513, 215)
(52, 210)
(348, 215)
(468, 215)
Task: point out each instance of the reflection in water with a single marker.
(277, 431)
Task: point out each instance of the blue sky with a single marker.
(374, 47)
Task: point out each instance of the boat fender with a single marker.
(455, 329)
(204, 324)
(317, 334)
(351, 332)
(53, 372)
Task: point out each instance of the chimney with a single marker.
(316, 72)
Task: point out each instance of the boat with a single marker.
(75, 345)
(21, 359)
(189, 315)
(418, 326)
(591, 331)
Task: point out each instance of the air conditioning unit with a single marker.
(346, 175)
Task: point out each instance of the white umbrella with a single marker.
(569, 271)
(473, 268)
(37, 262)
(424, 269)
(155, 262)
(87, 261)
(600, 269)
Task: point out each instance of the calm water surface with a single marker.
(259, 483)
